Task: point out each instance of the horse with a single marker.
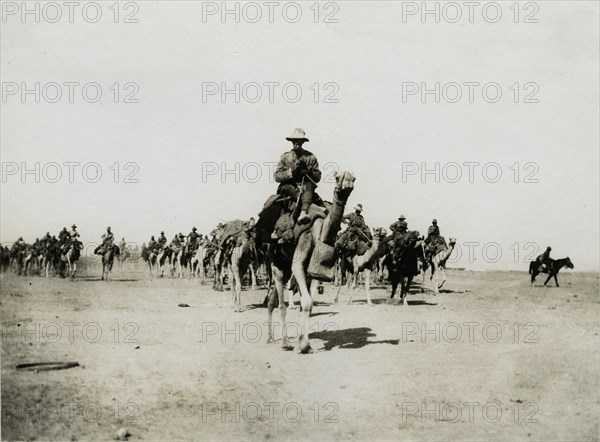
(552, 269)
(107, 260)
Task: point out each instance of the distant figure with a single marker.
(544, 260)
(430, 242)
(107, 242)
(545, 264)
(162, 241)
(152, 246)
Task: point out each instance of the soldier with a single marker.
(63, 237)
(193, 237)
(433, 230)
(356, 223)
(401, 229)
(395, 225)
(175, 243)
(152, 245)
(544, 259)
(162, 241)
(73, 235)
(432, 233)
(300, 169)
(123, 245)
(107, 242)
(19, 244)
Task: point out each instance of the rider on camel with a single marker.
(396, 224)
(162, 241)
(107, 242)
(299, 169)
(356, 227)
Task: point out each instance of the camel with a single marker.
(242, 256)
(70, 258)
(197, 261)
(294, 260)
(149, 257)
(438, 264)
(402, 262)
(107, 260)
(365, 263)
(552, 270)
(162, 257)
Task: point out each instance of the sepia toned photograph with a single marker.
(300, 221)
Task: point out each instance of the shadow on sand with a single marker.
(349, 338)
(92, 279)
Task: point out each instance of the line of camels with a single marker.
(299, 262)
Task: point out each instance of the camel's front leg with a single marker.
(368, 285)
(289, 287)
(278, 278)
(352, 284)
(442, 277)
(253, 276)
(299, 264)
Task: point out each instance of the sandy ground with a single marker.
(490, 358)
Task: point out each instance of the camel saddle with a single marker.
(280, 213)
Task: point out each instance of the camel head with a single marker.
(344, 184)
(379, 232)
(452, 241)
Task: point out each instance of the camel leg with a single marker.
(235, 281)
(301, 255)
(442, 276)
(368, 285)
(277, 294)
(253, 276)
(337, 295)
(435, 279)
(353, 282)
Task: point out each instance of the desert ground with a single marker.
(489, 358)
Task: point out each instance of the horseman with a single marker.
(544, 259)
(107, 242)
(298, 169)
(357, 230)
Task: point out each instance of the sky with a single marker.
(506, 175)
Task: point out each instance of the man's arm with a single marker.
(312, 169)
(283, 172)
